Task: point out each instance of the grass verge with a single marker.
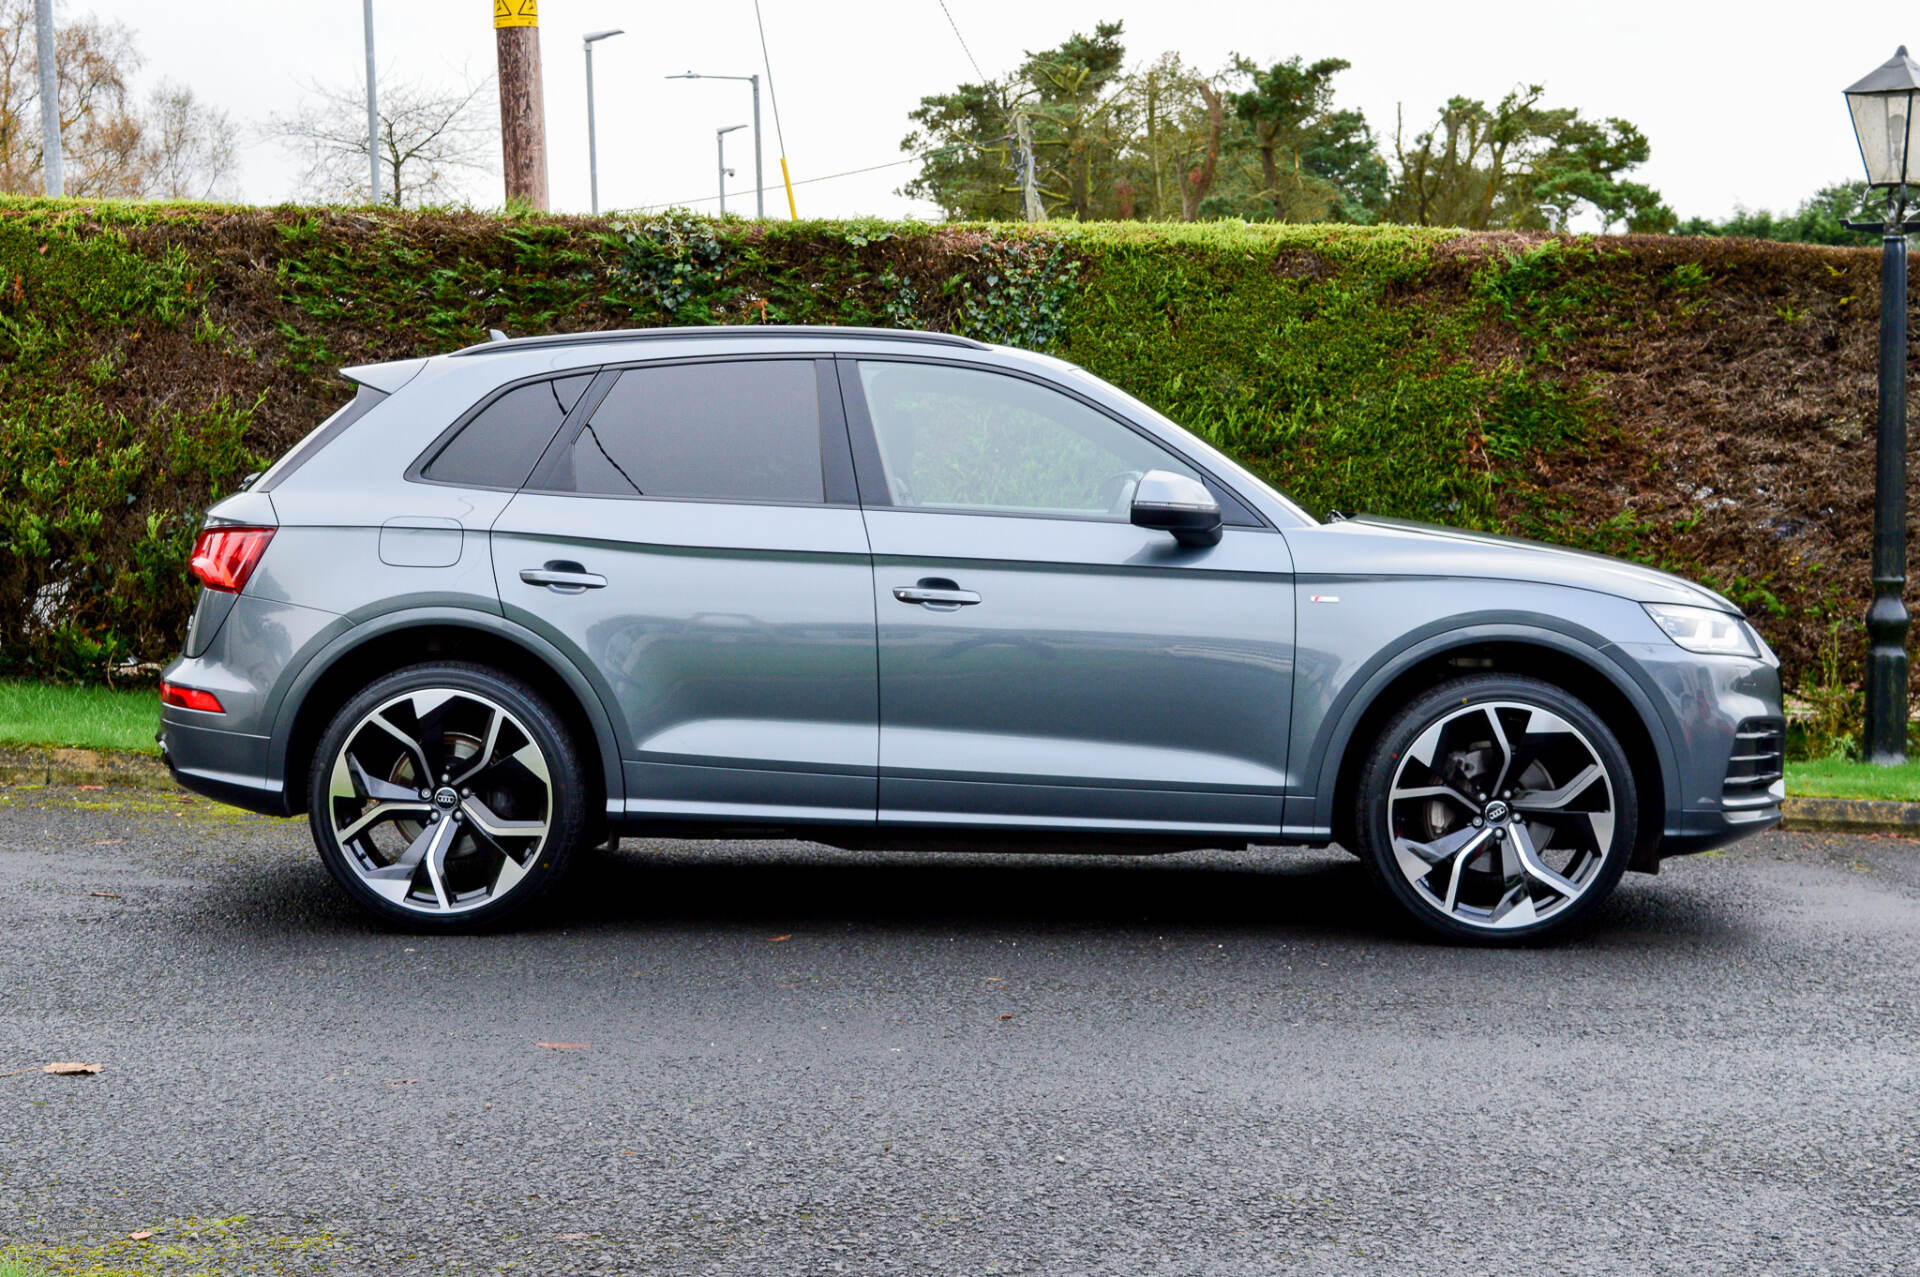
(1844, 778)
(71, 717)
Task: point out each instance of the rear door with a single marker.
(1042, 661)
(693, 540)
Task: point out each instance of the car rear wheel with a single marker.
(1497, 809)
(446, 796)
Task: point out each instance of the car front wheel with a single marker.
(446, 796)
(1497, 808)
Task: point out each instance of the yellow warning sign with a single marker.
(516, 13)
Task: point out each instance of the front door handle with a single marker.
(563, 577)
(944, 597)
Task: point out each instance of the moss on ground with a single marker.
(174, 1248)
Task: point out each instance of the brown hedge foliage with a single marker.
(1705, 405)
(1735, 431)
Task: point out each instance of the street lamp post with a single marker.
(44, 52)
(720, 146)
(593, 153)
(759, 179)
(373, 111)
(1882, 109)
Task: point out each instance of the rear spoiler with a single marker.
(387, 377)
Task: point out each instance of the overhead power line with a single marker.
(826, 177)
(1021, 150)
(963, 42)
(780, 135)
(774, 98)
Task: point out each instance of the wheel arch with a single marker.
(392, 642)
(1578, 664)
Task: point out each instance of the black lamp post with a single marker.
(1882, 106)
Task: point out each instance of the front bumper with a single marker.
(1711, 706)
(1690, 831)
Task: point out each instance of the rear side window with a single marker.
(498, 447)
(742, 430)
(319, 437)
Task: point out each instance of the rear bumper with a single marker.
(229, 767)
(246, 660)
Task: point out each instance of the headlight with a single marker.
(1702, 629)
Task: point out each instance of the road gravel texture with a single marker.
(775, 1058)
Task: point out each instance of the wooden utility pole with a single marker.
(523, 116)
(1029, 195)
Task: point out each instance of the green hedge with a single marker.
(1699, 404)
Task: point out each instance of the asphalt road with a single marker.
(803, 1061)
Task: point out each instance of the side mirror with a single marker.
(1175, 503)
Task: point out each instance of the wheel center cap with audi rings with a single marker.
(1497, 811)
(446, 798)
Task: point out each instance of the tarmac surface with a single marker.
(775, 1058)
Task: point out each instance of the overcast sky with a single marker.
(1740, 100)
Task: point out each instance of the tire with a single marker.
(1496, 809)
(480, 840)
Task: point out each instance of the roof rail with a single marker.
(499, 346)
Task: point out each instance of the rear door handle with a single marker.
(563, 578)
(935, 597)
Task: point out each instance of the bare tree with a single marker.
(180, 148)
(100, 138)
(187, 150)
(1182, 122)
(428, 138)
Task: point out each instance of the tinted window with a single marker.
(742, 431)
(963, 439)
(319, 437)
(498, 447)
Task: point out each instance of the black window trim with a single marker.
(417, 472)
(1235, 510)
(364, 401)
(837, 467)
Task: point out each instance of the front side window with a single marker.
(963, 439)
(743, 430)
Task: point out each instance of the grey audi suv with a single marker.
(906, 590)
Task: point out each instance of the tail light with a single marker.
(223, 558)
(190, 698)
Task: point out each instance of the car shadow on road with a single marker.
(1268, 893)
(763, 886)
(1271, 893)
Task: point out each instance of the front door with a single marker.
(692, 539)
(1042, 661)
